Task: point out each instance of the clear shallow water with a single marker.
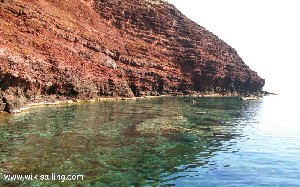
(156, 142)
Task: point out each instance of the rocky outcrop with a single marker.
(83, 49)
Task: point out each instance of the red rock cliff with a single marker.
(107, 48)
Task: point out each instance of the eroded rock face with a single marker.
(85, 49)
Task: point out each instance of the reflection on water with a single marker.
(163, 141)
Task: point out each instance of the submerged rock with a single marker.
(189, 100)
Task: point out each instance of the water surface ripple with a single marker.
(156, 142)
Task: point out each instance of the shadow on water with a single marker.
(143, 142)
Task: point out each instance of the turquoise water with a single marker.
(156, 142)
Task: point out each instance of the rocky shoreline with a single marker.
(52, 101)
(63, 101)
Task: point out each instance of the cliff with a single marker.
(83, 49)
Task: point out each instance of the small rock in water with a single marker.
(205, 128)
(189, 100)
(200, 112)
(178, 117)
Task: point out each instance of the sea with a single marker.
(165, 141)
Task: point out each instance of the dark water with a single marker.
(156, 142)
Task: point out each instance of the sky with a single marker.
(265, 33)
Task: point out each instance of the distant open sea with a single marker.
(165, 141)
